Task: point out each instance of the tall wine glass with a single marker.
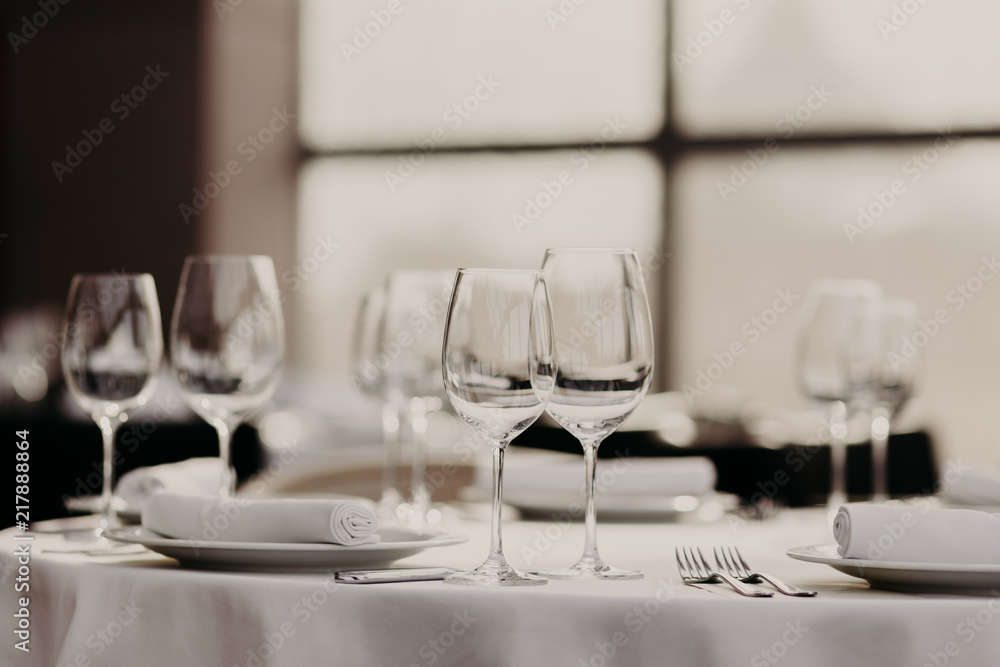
(604, 357)
(227, 342)
(412, 328)
(498, 372)
(834, 339)
(368, 377)
(896, 371)
(112, 350)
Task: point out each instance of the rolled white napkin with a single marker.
(193, 476)
(974, 487)
(287, 520)
(914, 535)
(659, 476)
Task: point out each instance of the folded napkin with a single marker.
(193, 476)
(288, 520)
(974, 487)
(660, 476)
(911, 535)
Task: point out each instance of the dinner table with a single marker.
(148, 609)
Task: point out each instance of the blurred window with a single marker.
(764, 143)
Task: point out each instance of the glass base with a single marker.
(598, 570)
(487, 575)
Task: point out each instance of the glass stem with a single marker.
(590, 554)
(880, 445)
(391, 493)
(838, 455)
(496, 558)
(228, 488)
(420, 493)
(109, 429)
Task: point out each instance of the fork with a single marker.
(732, 562)
(697, 571)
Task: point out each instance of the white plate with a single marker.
(279, 557)
(910, 577)
(621, 507)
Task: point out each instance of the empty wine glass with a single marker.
(112, 350)
(368, 362)
(895, 374)
(834, 341)
(498, 373)
(604, 361)
(227, 342)
(412, 328)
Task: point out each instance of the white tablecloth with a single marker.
(146, 610)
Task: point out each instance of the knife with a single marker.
(392, 575)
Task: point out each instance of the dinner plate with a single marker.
(909, 577)
(621, 507)
(281, 557)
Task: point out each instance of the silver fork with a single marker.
(732, 562)
(697, 571)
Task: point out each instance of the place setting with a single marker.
(498, 348)
(500, 367)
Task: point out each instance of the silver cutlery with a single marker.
(733, 563)
(392, 575)
(697, 571)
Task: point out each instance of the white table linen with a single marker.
(181, 616)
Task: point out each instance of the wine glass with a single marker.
(227, 342)
(112, 349)
(498, 372)
(604, 357)
(895, 372)
(369, 379)
(834, 341)
(412, 328)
